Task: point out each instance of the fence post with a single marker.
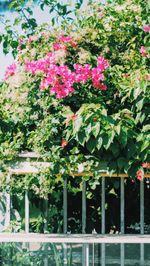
(65, 206)
(142, 207)
(122, 217)
(8, 205)
(103, 248)
(103, 205)
(142, 220)
(122, 204)
(46, 216)
(26, 212)
(85, 250)
(83, 207)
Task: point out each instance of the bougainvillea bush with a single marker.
(78, 94)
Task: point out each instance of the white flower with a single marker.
(80, 168)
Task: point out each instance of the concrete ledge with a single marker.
(73, 238)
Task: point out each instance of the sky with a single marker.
(6, 60)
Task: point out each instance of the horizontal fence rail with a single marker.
(74, 238)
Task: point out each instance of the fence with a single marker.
(26, 167)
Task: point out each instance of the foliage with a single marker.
(19, 254)
(79, 95)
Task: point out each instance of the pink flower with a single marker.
(73, 44)
(83, 73)
(10, 71)
(64, 38)
(146, 28)
(58, 46)
(41, 65)
(59, 79)
(143, 51)
(102, 63)
(61, 90)
(70, 118)
(30, 39)
(64, 143)
(140, 175)
(21, 41)
(147, 77)
(67, 39)
(19, 47)
(146, 165)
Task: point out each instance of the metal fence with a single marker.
(26, 168)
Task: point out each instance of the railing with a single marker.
(28, 168)
(84, 218)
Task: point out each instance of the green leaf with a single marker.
(96, 129)
(1, 38)
(81, 137)
(123, 137)
(91, 145)
(136, 93)
(145, 145)
(42, 6)
(121, 162)
(66, 111)
(88, 129)
(108, 139)
(115, 149)
(117, 129)
(77, 124)
(139, 104)
(99, 143)
(146, 128)
(53, 21)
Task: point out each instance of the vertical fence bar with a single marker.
(46, 216)
(122, 223)
(103, 248)
(26, 212)
(103, 205)
(103, 254)
(93, 254)
(122, 255)
(46, 230)
(65, 207)
(46, 255)
(142, 254)
(83, 207)
(87, 255)
(142, 207)
(65, 261)
(8, 206)
(142, 220)
(84, 247)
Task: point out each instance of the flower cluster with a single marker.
(59, 78)
(41, 65)
(146, 165)
(97, 73)
(146, 28)
(140, 175)
(10, 71)
(143, 51)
